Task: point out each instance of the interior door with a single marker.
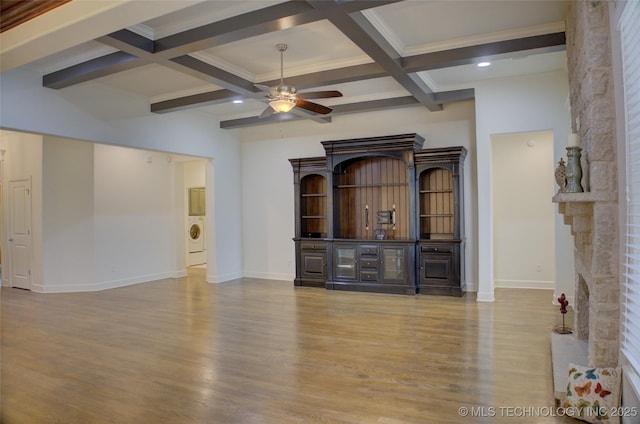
(20, 233)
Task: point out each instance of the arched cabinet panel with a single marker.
(313, 206)
(371, 199)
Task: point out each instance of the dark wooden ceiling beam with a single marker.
(91, 69)
(135, 51)
(359, 30)
(373, 105)
(344, 109)
(251, 24)
(491, 51)
(195, 100)
(444, 97)
(332, 76)
(263, 21)
(130, 42)
(275, 118)
(218, 76)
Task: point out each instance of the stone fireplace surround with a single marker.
(593, 220)
(593, 215)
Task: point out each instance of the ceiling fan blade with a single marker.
(313, 107)
(267, 112)
(261, 87)
(319, 94)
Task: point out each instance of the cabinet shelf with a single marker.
(314, 217)
(313, 195)
(437, 215)
(371, 185)
(436, 191)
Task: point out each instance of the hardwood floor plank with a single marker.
(261, 351)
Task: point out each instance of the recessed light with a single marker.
(483, 64)
(237, 101)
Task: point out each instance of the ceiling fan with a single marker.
(282, 98)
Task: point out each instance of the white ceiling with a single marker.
(412, 27)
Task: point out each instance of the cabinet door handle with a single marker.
(393, 217)
(366, 217)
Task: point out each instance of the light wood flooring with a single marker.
(262, 351)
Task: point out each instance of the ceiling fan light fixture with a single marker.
(282, 98)
(282, 105)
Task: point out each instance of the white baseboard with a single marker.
(485, 297)
(180, 274)
(269, 275)
(525, 284)
(104, 285)
(212, 278)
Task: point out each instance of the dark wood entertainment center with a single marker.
(381, 214)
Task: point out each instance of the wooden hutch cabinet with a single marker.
(441, 220)
(380, 214)
(312, 221)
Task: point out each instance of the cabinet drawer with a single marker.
(313, 246)
(435, 249)
(369, 263)
(368, 275)
(368, 249)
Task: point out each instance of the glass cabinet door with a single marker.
(345, 262)
(394, 263)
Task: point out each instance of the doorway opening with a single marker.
(196, 213)
(523, 214)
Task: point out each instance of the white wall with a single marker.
(133, 219)
(268, 212)
(179, 211)
(523, 216)
(225, 175)
(95, 112)
(68, 215)
(509, 105)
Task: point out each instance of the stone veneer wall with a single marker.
(593, 215)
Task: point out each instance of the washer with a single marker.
(195, 233)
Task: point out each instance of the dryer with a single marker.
(195, 232)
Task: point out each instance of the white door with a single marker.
(20, 233)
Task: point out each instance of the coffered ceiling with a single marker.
(202, 55)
